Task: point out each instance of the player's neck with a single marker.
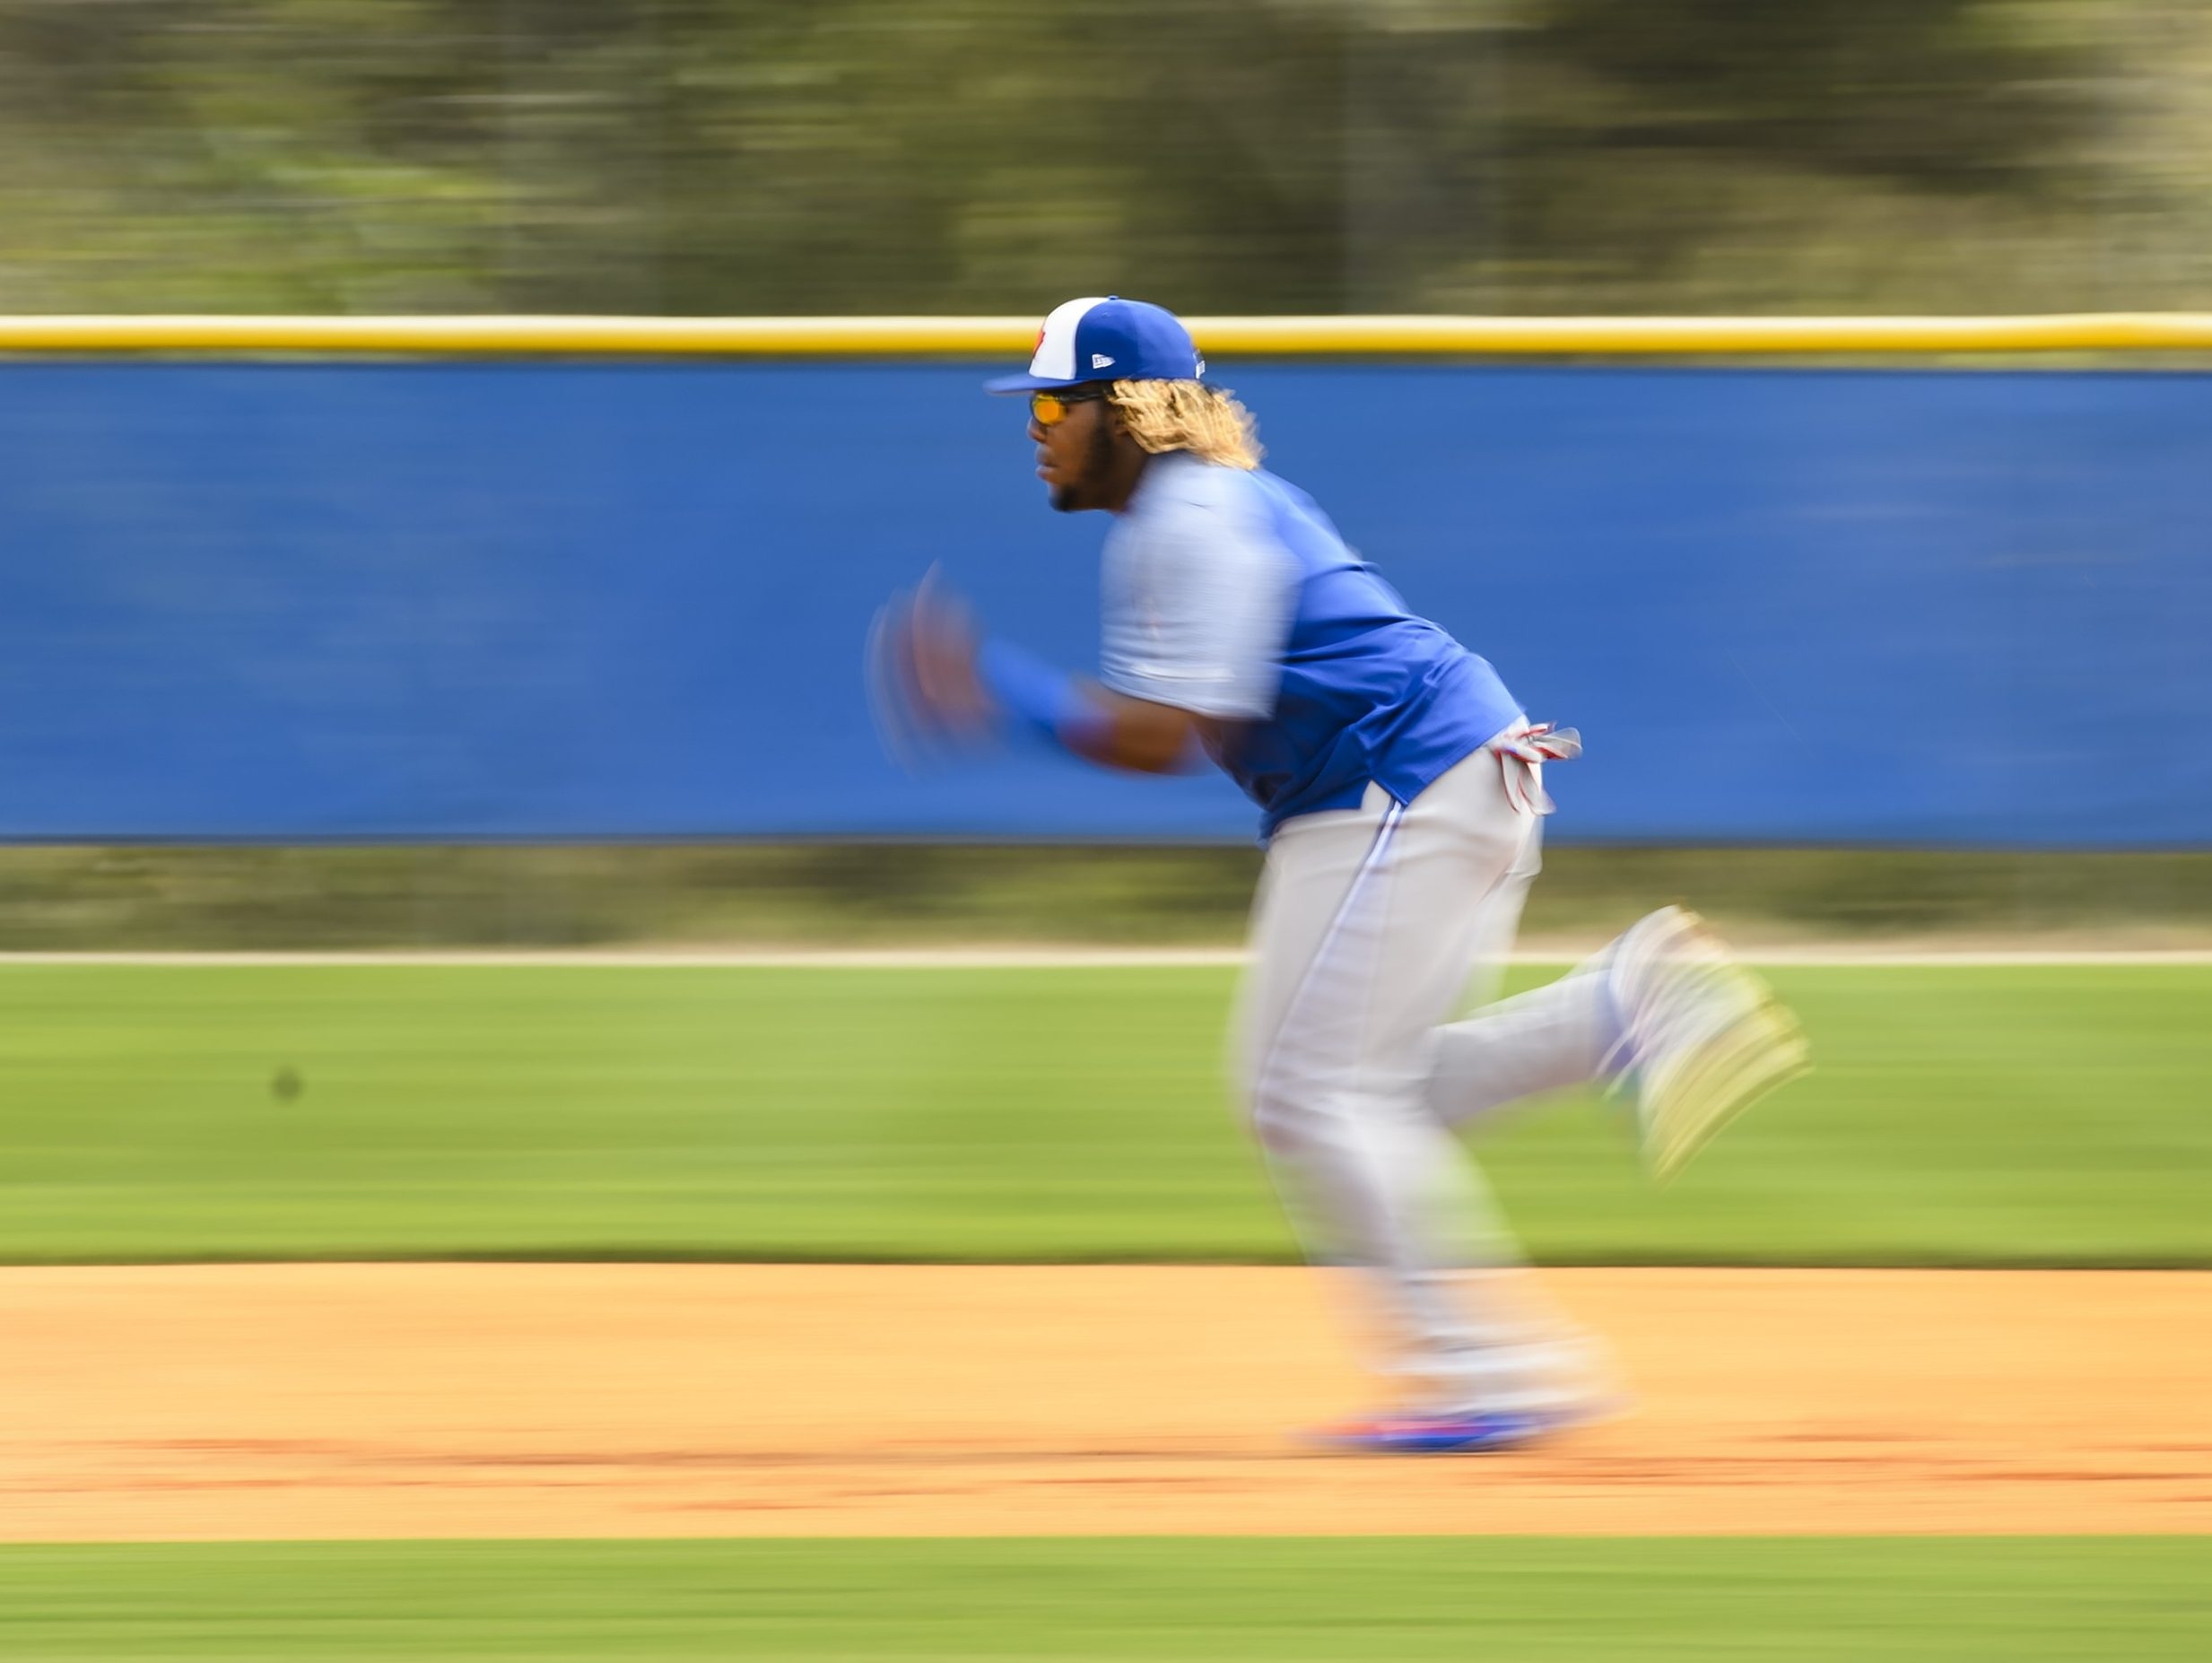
(1127, 478)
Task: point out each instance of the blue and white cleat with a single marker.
(1701, 1039)
(1433, 1434)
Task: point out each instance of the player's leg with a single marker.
(1662, 1006)
(1363, 936)
(1564, 1033)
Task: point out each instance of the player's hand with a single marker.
(921, 676)
(942, 640)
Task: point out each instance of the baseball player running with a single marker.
(1401, 795)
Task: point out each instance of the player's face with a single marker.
(1075, 451)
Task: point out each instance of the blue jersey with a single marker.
(1229, 594)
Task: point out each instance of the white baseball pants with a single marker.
(1370, 927)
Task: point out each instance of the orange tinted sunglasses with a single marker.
(1051, 409)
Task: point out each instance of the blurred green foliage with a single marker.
(195, 899)
(775, 156)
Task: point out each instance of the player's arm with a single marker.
(1139, 736)
(1197, 615)
(1101, 725)
(971, 687)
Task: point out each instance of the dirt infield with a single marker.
(519, 1400)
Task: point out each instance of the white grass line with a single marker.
(1038, 958)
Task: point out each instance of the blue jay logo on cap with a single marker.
(1086, 339)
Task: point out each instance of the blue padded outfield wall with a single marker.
(621, 600)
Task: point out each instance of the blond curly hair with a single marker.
(1188, 416)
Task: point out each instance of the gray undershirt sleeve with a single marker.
(1198, 598)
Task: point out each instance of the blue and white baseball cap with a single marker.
(1106, 338)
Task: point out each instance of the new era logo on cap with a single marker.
(1099, 336)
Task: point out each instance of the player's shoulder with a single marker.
(1179, 485)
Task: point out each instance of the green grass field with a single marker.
(2019, 1115)
(2016, 1115)
(1360, 1599)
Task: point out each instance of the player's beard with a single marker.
(1080, 492)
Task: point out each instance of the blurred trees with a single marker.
(701, 156)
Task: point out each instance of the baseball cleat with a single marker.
(1431, 1434)
(1703, 1039)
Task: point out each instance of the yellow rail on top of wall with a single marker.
(1409, 337)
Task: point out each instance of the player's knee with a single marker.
(1284, 1120)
